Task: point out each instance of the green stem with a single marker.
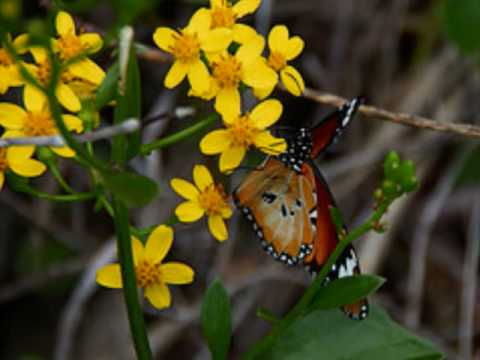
(58, 176)
(298, 310)
(59, 198)
(130, 292)
(178, 136)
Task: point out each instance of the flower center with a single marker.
(5, 58)
(147, 274)
(39, 124)
(227, 71)
(44, 72)
(69, 46)
(277, 61)
(222, 17)
(3, 160)
(186, 47)
(212, 199)
(243, 132)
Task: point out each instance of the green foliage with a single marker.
(461, 19)
(216, 320)
(330, 335)
(133, 189)
(345, 291)
(399, 178)
(470, 173)
(107, 91)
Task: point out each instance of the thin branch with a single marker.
(466, 130)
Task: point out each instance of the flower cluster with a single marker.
(221, 58)
(79, 78)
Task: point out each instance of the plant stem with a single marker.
(59, 198)
(130, 292)
(298, 310)
(178, 136)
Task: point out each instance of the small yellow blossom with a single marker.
(242, 132)
(152, 275)
(186, 46)
(224, 15)
(229, 71)
(19, 160)
(35, 120)
(283, 49)
(9, 74)
(203, 198)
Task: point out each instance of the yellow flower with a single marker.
(229, 71)
(186, 46)
(9, 75)
(152, 276)
(18, 159)
(244, 131)
(69, 45)
(203, 198)
(283, 49)
(224, 15)
(35, 120)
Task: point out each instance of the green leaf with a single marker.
(336, 218)
(133, 189)
(216, 320)
(330, 335)
(108, 88)
(346, 291)
(461, 19)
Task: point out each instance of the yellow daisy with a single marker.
(283, 49)
(19, 160)
(186, 46)
(35, 120)
(224, 15)
(243, 132)
(203, 198)
(152, 275)
(9, 74)
(229, 71)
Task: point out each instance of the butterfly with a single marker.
(287, 201)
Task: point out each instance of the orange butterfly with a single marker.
(287, 202)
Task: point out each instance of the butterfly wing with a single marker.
(328, 130)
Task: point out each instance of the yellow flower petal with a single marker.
(158, 295)
(19, 153)
(199, 22)
(260, 75)
(73, 122)
(248, 53)
(184, 189)
(176, 74)
(34, 99)
(262, 93)
(227, 102)
(12, 116)
(199, 77)
(159, 243)
(243, 34)
(269, 144)
(244, 7)
(217, 227)
(176, 273)
(65, 151)
(226, 212)
(216, 40)
(64, 24)
(266, 113)
(2, 179)
(189, 211)
(292, 80)
(92, 42)
(27, 167)
(215, 142)
(202, 177)
(278, 38)
(164, 38)
(293, 48)
(67, 98)
(21, 43)
(110, 276)
(86, 69)
(231, 158)
(39, 54)
(138, 250)
(216, 3)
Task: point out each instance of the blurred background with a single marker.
(412, 56)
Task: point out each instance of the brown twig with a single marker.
(466, 130)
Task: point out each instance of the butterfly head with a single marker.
(299, 149)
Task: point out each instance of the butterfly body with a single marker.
(287, 202)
